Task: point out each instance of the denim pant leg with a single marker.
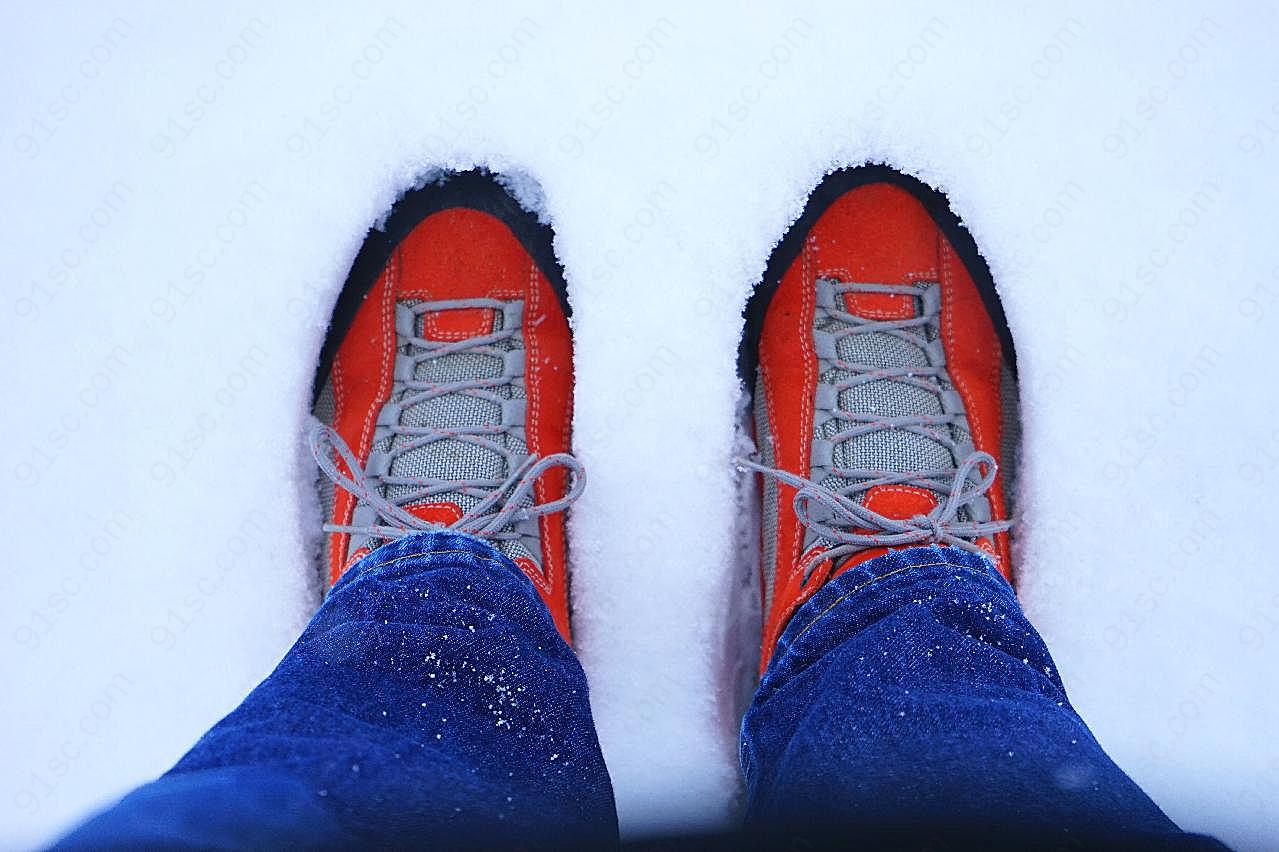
(431, 699)
(911, 694)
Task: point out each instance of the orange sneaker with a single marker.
(882, 377)
(444, 393)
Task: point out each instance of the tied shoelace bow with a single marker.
(834, 513)
(836, 516)
(492, 517)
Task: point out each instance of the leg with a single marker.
(902, 687)
(431, 699)
(911, 691)
(434, 696)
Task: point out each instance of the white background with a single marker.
(183, 194)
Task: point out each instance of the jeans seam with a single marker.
(436, 553)
(866, 584)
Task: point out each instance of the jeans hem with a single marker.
(427, 543)
(852, 584)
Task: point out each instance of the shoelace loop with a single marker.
(491, 518)
(835, 515)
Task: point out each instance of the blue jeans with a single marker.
(431, 700)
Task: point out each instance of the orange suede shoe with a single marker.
(882, 375)
(444, 394)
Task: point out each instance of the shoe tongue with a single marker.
(880, 306)
(888, 450)
(449, 458)
(442, 514)
(900, 502)
(454, 459)
(458, 324)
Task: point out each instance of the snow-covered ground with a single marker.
(184, 191)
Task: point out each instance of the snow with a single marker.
(185, 191)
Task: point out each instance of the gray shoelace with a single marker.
(502, 502)
(835, 513)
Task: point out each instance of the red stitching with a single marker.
(430, 322)
(387, 328)
(948, 337)
(845, 276)
(343, 503)
(948, 334)
(808, 280)
(532, 307)
(428, 295)
(911, 490)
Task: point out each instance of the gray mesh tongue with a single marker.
(885, 450)
(896, 450)
(454, 459)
